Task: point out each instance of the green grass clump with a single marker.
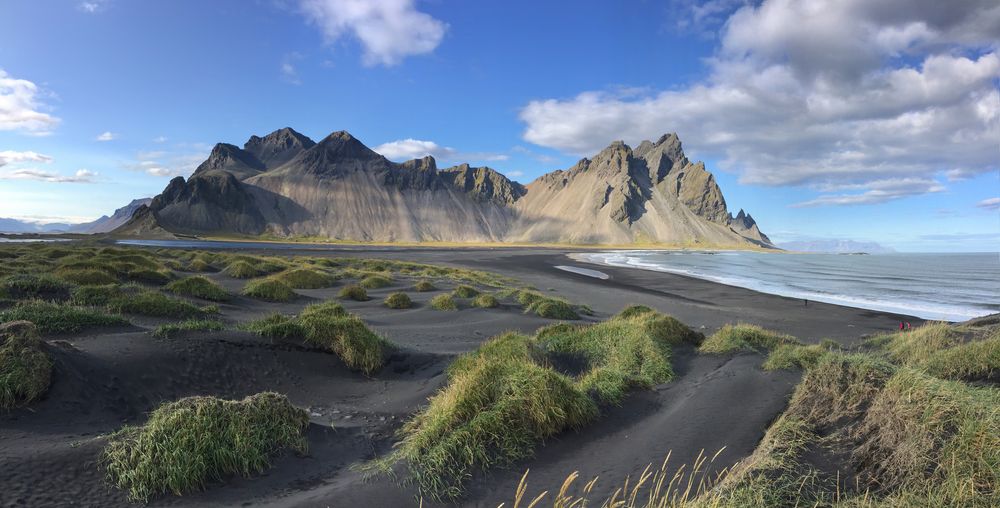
(516, 390)
(59, 318)
(545, 306)
(465, 291)
(199, 265)
(25, 367)
(494, 411)
(744, 337)
(304, 278)
(794, 356)
(398, 300)
(485, 301)
(354, 292)
(443, 302)
(241, 270)
(31, 286)
(944, 351)
(277, 327)
(154, 304)
(634, 310)
(149, 276)
(970, 361)
(96, 295)
(375, 281)
(172, 330)
(621, 353)
(86, 276)
(199, 287)
(423, 286)
(269, 290)
(348, 337)
(329, 326)
(188, 443)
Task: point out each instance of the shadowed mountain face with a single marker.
(287, 185)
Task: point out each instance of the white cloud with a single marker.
(388, 30)
(409, 148)
(514, 174)
(81, 176)
(12, 157)
(289, 73)
(162, 163)
(107, 136)
(20, 109)
(878, 191)
(160, 139)
(92, 6)
(819, 93)
(989, 204)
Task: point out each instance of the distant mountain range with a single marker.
(836, 246)
(102, 225)
(285, 184)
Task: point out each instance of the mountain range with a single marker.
(836, 246)
(285, 184)
(102, 225)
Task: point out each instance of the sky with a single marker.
(852, 119)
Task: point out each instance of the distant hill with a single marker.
(102, 225)
(836, 246)
(286, 184)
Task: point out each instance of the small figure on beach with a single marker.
(805, 302)
(907, 325)
(900, 326)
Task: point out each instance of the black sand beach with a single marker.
(50, 450)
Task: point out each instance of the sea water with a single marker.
(951, 287)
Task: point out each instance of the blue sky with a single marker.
(849, 122)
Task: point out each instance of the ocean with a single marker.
(949, 287)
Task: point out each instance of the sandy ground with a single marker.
(49, 452)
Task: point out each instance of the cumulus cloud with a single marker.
(409, 148)
(12, 157)
(81, 176)
(21, 109)
(162, 163)
(388, 30)
(107, 136)
(817, 94)
(992, 204)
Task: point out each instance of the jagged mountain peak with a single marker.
(278, 147)
(343, 144)
(231, 158)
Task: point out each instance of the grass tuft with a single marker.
(241, 270)
(348, 337)
(465, 291)
(744, 337)
(25, 367)
(354, 292)
(276, 327)
(423, 286)
(31, 286)
(485, 301)
(375, 281)
(86, 276)
(171, 330)
(269, 290)
(443, 302)
(199, 286)
(155, 304)
(59, 318)
(398, 300)
(304, 278)
(188, 443)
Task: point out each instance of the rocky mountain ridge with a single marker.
(285, 184)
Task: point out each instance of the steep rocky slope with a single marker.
(287, 185)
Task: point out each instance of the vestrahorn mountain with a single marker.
(285, 184)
